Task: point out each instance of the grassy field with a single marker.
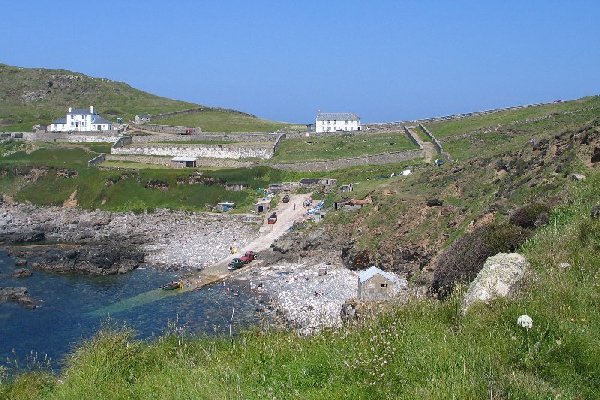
(125, 189)
(427, 349)
(345, 146)
(222, 121)
(490, 135)
(445, 129)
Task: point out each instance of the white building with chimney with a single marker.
(81, 120)
(332, 122)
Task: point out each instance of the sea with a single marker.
(73, 308)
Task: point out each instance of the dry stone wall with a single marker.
(78, 137)
(201, 162)
(216, 137)
(206, 151)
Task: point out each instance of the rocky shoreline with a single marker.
(65, 240)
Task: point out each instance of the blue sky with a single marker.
(283, 60)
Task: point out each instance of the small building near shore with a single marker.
(327, 182)
(376, 285)
(263, 205)
(184, 162)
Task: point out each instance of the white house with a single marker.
(332, 122)
(375, 284)
(81, 120)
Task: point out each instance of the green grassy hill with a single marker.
(30, 96)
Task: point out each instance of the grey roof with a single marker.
(337, 117)
(80, 111)
(371, 272)
(100, 120)
(62, 120)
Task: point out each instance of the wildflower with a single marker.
(525, 321)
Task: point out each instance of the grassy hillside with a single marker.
(343, 146)
(224, 121)
(427, 349)
(30, 96)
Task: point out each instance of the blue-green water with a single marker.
(74, 307)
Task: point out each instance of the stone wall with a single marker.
(201, 162)
(436, 143)
(99, 159)
(413, 139)
(77, 137)
(375, 159)
(217, 137)
(206, 151)
(174, 130)
(122, 141)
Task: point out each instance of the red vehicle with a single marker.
(248, 257)
(272, 219)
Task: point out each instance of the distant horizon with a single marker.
(386, 61)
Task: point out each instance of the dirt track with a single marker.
(287, 214)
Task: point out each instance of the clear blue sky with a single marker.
(283, 60)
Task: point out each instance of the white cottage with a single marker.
(375, 284)
(81, 120)
(332, 122)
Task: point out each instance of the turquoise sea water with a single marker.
(74, 307)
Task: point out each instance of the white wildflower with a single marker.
(525, 321)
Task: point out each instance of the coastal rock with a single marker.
(595, 213)
(20, 262)
(499, 277)
(17, 295)
(22, 237)
(21, 273)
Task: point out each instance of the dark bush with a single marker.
(461, 262)
(530, 216)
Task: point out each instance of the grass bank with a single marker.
(341, 146)
(222, 121)
(425, 350)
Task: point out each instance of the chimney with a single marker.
(70, 109)
(91, 109)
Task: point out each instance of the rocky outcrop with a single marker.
(500, 277)
(106, 258)
(17, 295)
(22, 273)
(98, 242)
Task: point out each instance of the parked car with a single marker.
(272, 219)
(235, 264)
(286, 199)
(248, 257)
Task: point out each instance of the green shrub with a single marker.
(530, 216)
(461, 262)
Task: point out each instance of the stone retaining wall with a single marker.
(217, 137)
(122, 141)
(206, 151)
(375, 159)
(76, 137)
(99, 159)
(201, 162)
(170, 129)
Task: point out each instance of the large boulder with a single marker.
(499, 277)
